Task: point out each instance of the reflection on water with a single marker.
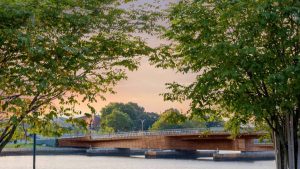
(84, 162)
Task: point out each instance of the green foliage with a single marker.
(136, 113)
(19, 145)
(194, 122)
(149, 120)
(117, 121)
(132, 109)
(246, 55)
(169, 119)
(52, 52)
(173, 119)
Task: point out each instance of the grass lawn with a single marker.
(22, 145)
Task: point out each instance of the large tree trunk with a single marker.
(10, 129)
(286, 142)
(7, 135)
(280, 152)
(291, 142)
(298, 163)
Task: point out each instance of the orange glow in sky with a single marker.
(144, 85)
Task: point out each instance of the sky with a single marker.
(145, 85)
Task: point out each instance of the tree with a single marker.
(194, 121)
(169, 119)
(54, 52)
(117, 121)
(134, 111)
(246, 55)
(149, 119)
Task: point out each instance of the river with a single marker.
(85, 162)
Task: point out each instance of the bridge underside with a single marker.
(175, 142)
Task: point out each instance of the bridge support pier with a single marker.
(184, 154)
(123, 152)
(191, 154)
(245, 156)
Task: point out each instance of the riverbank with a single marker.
(149, 154)
(42, 151)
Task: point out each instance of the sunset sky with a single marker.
(144, 85)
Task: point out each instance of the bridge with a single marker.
(177, 139)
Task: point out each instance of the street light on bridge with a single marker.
(142, 121)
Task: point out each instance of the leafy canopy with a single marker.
(117, 121)
(52, 52)
(137, 114)
(169, 119)
(246, 55)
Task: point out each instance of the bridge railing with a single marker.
(167, 132)
(74, 135)
(156, 133)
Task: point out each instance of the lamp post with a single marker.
(34, 149)
(142, 121)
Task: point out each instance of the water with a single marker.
(85, 162)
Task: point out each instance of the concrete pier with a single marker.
(178, 154)
(245, 156)
(124, 152)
